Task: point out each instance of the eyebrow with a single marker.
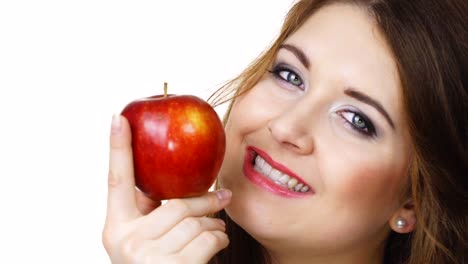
(300, 55)
(368, 100)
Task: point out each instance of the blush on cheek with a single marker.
(368, 188)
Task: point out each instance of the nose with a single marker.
(293, 130)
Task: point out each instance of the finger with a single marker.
(121, 204)
(184, 232)
(144, 204)
(205, 246)
(174, 211)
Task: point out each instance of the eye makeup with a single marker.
(286, 75)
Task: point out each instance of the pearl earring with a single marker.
(401, 223)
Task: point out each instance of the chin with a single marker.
(254, 214)
(260, 213)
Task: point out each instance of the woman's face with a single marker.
(317, 151)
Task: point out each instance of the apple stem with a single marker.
(165, 89)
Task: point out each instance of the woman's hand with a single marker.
(138, 231)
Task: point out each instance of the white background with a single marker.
(65, 68)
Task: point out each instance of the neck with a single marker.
(359, 255)
(323, 259)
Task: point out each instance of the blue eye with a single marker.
(285, 74)
(359, 122)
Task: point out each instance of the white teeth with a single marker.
(284, 179)
(266, 168)
(277, 176)
(258, 161)
(292, 182)
(298, 187)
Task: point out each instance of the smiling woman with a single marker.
(358, 119)
(347, 142)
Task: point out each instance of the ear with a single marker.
(403, 221)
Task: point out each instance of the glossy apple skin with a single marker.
(178, 145)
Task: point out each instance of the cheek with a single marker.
(364, 184)
(248, 115)
(253, 110)
(231, 156)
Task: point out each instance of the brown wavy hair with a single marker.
(429, 42)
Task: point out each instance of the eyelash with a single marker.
(279, 68)
(368, 131)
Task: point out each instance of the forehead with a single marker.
(343, 42)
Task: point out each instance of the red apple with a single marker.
(178, 145)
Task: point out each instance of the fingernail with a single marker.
(115, 128)
(220, 221)
(223, 194)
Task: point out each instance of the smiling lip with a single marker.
(265, 183)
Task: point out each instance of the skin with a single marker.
(139, 230)
(358, 180)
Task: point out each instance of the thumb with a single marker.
(121, 204)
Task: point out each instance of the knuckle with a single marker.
(180, 259)
(111, 235)
(117, 144)
(209, 239)
(224, 239)
(179, 205)
(192, 224)
(148, 259)
(130, 248)
(150, 255)
(214, 201)
(107, 238)
(112, 179)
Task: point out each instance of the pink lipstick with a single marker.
(279, 179)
